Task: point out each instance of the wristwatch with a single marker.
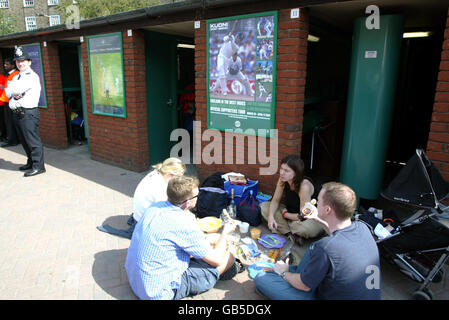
(283, 275)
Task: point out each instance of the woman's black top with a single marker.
(291, 198)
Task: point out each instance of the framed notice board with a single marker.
(106, 71)
(34, 51)
(241, 72)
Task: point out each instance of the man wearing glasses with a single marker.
(169, 256)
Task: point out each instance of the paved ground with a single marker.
(50, 247)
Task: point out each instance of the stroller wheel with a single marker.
(424, 294)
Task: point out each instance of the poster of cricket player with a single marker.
(241, 71)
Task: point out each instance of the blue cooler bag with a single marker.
(241, 191)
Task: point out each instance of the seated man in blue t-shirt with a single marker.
(344, 265)
(169, 256)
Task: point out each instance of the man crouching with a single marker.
(169, 256)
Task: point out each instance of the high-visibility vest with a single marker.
(3, 96)
(2, 86)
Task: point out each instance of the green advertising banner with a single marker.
(241, 72)
(107, 74)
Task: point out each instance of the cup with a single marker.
(255, 233)
(243, 226)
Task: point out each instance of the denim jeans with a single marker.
(198, 278)
(271, 285)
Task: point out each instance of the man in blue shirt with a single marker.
(169, 256)
(345, 265)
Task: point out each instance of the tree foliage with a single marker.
(98, 8)
(8, 24)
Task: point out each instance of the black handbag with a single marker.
(249, 210)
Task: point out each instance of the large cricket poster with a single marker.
(107, 74)
(241, 73)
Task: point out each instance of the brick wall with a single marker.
(438, 142)
(52, 126)
(118, 141)
(290, 88)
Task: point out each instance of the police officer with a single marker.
(24, 93)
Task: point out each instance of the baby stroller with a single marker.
(418, 241)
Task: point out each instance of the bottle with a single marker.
(287, 249)
(307, 209)
(232, 208)
(225, 216)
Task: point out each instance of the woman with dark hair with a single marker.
(293, 190)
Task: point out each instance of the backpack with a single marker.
(212, 198)
(249, 210)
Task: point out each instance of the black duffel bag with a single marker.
(211, 202)
(212, 198)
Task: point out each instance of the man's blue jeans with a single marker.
(271, 285)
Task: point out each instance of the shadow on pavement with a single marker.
(76, 160)
(8, 165)
(109, 273)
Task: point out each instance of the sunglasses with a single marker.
(188, 199)
(192, 198)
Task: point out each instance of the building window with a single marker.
(30, 23)
(4, 4)
(54, 20)
(28, 3)
(53, 2)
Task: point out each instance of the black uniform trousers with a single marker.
(28, 132)
(2, 123)
(11, 129)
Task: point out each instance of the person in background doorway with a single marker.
(343, 266)
(24, 92)
(11, 130)
(151, 189)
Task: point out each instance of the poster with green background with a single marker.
(107, 74)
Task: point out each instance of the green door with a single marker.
(161, 78)
(83, 96)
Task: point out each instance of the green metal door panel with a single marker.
(161, 77)
(372, 87)
(83, 97)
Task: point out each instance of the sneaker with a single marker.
(235, 269)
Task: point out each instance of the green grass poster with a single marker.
(107, 74)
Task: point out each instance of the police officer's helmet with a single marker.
(21, 54)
